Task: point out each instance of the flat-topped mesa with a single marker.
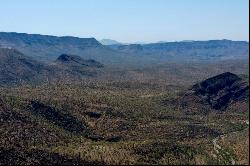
(47, 39)
(77, 60)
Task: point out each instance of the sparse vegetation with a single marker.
(123, 107)
(122, 125)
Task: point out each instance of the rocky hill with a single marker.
(77, 66)
(218, 93)
(75, 60)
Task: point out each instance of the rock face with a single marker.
(220, 90)
(217, 92)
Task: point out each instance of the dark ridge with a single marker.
(64, 120)
(114, 139)
(95, 137)
(69, 58)
(21, 130)
(77, 60)
(93, 114)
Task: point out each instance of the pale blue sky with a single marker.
(129, 20)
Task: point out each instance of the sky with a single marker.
(129, 20)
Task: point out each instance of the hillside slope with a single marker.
(77, 66)
(17, 68)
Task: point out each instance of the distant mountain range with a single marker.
(191, 50)
(109, 42)
(48, 48)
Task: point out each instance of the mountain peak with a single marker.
(109, 42)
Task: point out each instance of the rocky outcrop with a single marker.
(216, 93)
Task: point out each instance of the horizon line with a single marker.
(124, 43)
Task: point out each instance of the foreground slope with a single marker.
(107, 123)
(20, 134)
